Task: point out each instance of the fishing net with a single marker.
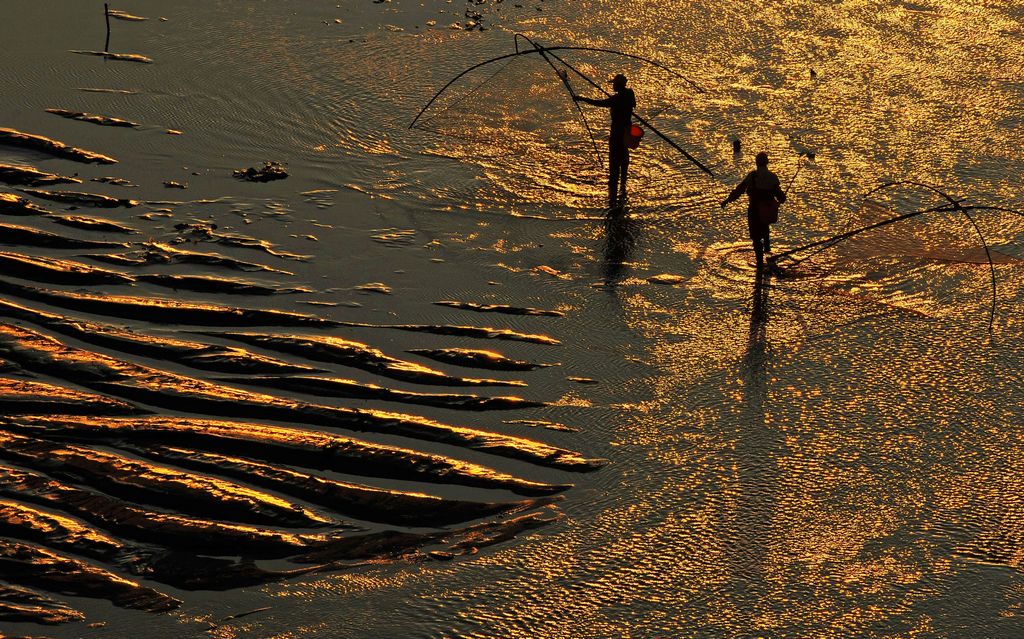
(515, 110)
(953, 261)
(515, 119)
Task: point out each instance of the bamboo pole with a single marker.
(106, 15)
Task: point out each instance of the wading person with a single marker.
(621, 105)
(765, 194)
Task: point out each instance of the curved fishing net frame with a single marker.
(510, 107)
(912, 246)
(514, 115)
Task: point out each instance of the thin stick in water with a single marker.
(106, 14)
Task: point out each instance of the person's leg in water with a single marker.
(622, 178)
(614, 169)
(757, 236)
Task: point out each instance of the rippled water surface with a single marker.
(833, 454)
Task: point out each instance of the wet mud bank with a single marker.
(11, 137)
(336, 350)
(162, 428)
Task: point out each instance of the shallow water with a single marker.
(835, 454)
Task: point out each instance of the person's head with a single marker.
(619, 82)
(761, 160)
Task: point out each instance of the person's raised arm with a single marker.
(740, 189)
(607, 102)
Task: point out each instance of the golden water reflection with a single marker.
(833, 454)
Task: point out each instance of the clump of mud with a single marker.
(268, 172)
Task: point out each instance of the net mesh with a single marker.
(515, 119)
(947, 264)
(518, 105)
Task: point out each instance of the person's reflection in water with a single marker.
(757, 450)
(757, 346)
(620, 240)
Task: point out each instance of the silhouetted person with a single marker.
(764, 190)
(621, 105)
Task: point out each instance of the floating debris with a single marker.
(81, 199)
(269, 171)
(126, 57)
(666, 278)
(547, 270)
(374, 287)
(11, 137)
(171, 184)
(476, 359)
(498, 308)
(115, 181)
(582, 380)
(102, 90)
(121, 15)
(102, 120)
(29, 176)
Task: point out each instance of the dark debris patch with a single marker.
(268, 172)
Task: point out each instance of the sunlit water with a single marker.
(836, 454)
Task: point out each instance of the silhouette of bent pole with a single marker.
(799, 166)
